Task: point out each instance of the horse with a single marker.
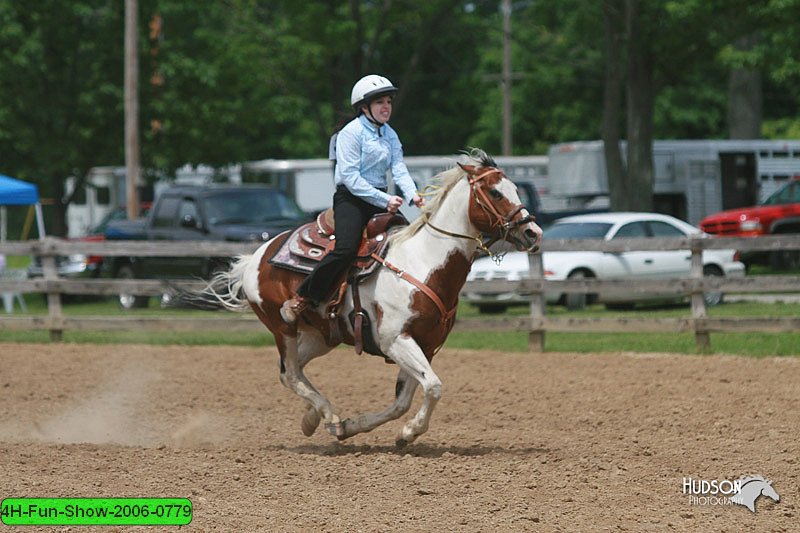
(411, 298)
(751, 488)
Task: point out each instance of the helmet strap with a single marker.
(372, 119)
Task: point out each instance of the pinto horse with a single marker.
(411, 299)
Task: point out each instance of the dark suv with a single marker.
(245, 213)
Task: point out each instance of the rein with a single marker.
(477, 238)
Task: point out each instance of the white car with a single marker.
(604, 265)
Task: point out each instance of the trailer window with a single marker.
(103, 195)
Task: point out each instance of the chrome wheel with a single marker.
(130, 301)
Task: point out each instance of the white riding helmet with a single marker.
(370, 87)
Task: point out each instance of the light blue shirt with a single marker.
(363, 157)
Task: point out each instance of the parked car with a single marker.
(80, 265)
(533, 203)
(604, 265)
(777, 215)
(243, 213)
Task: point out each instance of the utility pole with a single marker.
(131, 109)
(507, 131)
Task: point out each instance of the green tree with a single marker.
(60, 100)
(225, 82)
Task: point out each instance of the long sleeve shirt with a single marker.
(364, 155)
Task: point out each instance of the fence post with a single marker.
(50, 273)
(536, 333)
(699, 313)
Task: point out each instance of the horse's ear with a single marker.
(469, 169)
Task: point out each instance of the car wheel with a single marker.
(576, 301)
(491, 309)
(165, 300)
(712, 298)
(130, 301)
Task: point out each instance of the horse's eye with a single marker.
(496, 194)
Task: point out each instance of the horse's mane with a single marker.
(444, 181)
(747, 479)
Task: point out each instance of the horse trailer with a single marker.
(310, 181)
(691, 178)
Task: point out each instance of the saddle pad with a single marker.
(305, 248)
(301, 251)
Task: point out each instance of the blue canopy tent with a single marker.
(18, 192)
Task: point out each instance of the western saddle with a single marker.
(310, 243)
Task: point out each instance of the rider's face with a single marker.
(381, 108)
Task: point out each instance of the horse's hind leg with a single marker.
(404, 393)
(295, 353)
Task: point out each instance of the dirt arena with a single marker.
(518, 442)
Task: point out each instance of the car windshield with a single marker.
(115, 215)
(577, 230)
(251, 206)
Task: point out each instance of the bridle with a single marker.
(503, 223)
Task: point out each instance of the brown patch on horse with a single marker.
(275, 286)
(427, 327)
(483, 219)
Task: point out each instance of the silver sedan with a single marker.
(604, 265)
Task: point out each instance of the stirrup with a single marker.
(293, 308)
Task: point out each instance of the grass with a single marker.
(750, 344)
(18, 261)
(209, 338)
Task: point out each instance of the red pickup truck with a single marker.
(780, 213)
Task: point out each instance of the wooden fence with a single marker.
(536, 324)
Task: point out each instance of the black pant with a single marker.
(350, 215)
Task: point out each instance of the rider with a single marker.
(366, 148)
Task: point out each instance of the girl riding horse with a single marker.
(411, 299)
(366, 149)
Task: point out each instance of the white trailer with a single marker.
(310, 181)
(102, 192)
(692, 178)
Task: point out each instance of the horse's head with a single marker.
(769, 491)
(496, 209)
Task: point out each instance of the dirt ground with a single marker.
(518, 442)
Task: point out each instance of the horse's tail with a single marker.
(224, 289)
(227, 287)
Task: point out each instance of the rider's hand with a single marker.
(418, 201)
(394, 204)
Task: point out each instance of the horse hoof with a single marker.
(310, 422)
(400, 443)
(336, 429)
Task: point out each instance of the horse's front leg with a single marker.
(409, 356)
(403, 392)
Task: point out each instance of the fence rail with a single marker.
(536, 324)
